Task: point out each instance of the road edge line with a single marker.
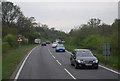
(20, 69)
(109, 69)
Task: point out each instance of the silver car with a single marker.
(54, 44)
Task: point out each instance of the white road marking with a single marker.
(49, 51)
(68, 51)
(109, 69)
(102, 66)
(69, 73)
(20, 69)
(58, 62)
(53, 56)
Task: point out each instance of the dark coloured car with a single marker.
(83, 58)
(43, 44)
(60, 48)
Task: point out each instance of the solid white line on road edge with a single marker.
(69, 73)
(68, 51)
(20, 69)
(109, 69)
(102, 66)
(58, 62)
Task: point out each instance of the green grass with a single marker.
(12, 58)
(5, 46)
(0, 59)
(70, 47)
(110, 61)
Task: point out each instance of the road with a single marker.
(45, 63)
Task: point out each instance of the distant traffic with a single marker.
(80, 58)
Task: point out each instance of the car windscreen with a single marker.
(84, 54)
(60, 45)
(55, 43)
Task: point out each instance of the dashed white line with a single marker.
(61, 64)
(49, 51)
(69, 73)
(58, 62)
(53, 56)
(20, 69)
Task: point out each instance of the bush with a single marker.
(94, 42)
(11, 39)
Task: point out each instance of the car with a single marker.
(43, 44)
(83, 58)
(54, 44)
(48, 42)
(37, 41)
(60, 48)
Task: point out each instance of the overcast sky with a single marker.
(65, 15)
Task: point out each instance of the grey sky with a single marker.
(65, 15)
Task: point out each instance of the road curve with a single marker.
(45, 63)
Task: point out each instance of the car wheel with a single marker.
(56, 51)
(96, 67)
(72, 64)
(76, 66)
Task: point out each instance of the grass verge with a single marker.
(0, 59)
(112, 61)
(12, 58)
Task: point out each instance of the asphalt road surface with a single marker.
(45, 63)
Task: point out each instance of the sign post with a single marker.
(19, 40)
(106, 51)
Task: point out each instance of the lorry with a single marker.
(37, 41)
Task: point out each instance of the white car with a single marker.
(54, 44)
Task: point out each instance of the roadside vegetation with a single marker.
(92, 36)
(12, 58)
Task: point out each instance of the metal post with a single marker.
(19, 44)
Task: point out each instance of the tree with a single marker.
(10, 13)
(25, 24)
(94, 22)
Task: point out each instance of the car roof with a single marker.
(54, 42)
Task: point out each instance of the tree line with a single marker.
(15, 23)
(93, 35)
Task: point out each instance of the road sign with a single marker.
(19, 39)
(106, 49)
